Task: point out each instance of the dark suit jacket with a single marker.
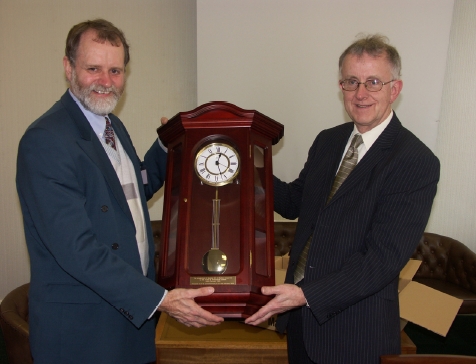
(89, 301)
(361, 240)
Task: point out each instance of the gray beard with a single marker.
(98, 107)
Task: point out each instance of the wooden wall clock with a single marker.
(217, 224)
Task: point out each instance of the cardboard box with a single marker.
(422, 305)
(280, 266)
(425, 306)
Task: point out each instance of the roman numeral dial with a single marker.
(217, 164)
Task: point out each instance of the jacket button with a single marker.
(104, 208)
(115, 246)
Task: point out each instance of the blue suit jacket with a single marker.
(361, 240)
(89, 301)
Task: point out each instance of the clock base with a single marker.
(233, 305)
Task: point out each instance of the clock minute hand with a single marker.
(218, 164)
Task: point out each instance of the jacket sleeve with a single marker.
(155, 163)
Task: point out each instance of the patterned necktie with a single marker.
(348, 164)
(301, 264)
(109, 134)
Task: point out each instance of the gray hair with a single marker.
(374, 45)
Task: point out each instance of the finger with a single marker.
(269, 290)
(251, 320)
(256, 320)
(258, 316)
(197, 317)
(201, 322)
(199, 292)
(163, 120)
(209, 318)
(199, 314)
(204, 318)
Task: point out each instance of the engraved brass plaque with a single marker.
(212, 280)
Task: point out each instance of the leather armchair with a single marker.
(284, 232)
(14, 323)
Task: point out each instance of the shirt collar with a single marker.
(97, 122)
(372, 135)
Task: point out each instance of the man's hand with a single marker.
(179, 303)
(287, 297)
(163, 120)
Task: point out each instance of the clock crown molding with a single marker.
(218, 114)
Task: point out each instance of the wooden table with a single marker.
(231, 342)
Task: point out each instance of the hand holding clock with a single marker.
(179, 303)
(287, 297)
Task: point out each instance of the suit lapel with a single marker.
(340, 141)
(371, 158)
(90, 144)
(123, 137)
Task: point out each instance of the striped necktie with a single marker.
(348, 164)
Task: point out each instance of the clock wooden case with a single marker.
(217, 224)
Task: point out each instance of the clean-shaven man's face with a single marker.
(369, 109)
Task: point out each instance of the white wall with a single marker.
(454, 210)
(280, 57)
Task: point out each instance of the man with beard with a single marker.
(83, 193)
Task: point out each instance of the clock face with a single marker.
(217, 164)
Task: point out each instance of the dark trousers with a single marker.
(296, 351)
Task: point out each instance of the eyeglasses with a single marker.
(372, 85)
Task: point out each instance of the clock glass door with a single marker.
(261, 240)
(214, 238)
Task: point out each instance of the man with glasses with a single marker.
(363, 200)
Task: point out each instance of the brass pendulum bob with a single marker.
(215, 261)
